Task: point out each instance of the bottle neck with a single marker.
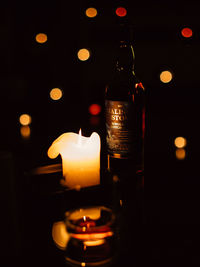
(125, 57)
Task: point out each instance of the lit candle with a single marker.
(80, 158)
(91, 226)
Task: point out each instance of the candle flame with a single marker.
(79, 138)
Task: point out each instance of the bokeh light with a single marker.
(121, 11)
(25, 119)
(166, 76)
(180, 153)
(41, 38)
(83, 54)
(91, 12)
(95, 120)
(180, 142)
(94, 109)
(186, 32)
(56, 94)
(25, 131)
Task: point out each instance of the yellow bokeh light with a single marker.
(180, 153)
(41, 38)
(180, 142)
(166, 76)
(83, 54)
(56, 94)
(25, 119)
(91, 12)
(25, 131)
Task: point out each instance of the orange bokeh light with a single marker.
(41, 38)
(121, 12)
(56, 94)
(180, 153)
(91, 12)
(186, 32)
(180, 142)
(166, 76)
(25, 131)
(25, 119)
(94, 109)
(83, 54)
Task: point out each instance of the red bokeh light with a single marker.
(94, 109)
(95, 120)
(186, 32)
(121, 11)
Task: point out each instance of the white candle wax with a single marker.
(80, 158)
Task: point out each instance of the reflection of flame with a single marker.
(180, 153)
(92, 236)
(25, 131)
(94, 243)
(47, 169)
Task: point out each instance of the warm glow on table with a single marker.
(80, 158)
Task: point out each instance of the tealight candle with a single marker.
(87, 236)
(80, 158)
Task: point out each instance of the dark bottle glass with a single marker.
(125, 112)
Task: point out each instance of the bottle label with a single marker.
(119, 126)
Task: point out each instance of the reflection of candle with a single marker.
(60, 235)
(80, 158)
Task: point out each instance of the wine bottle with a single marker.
(125, 111)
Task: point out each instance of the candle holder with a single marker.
(87, 236)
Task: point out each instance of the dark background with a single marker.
(28, 71)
